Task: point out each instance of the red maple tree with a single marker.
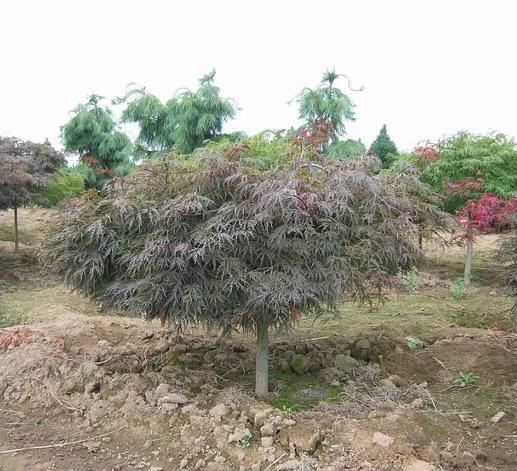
(487, 214)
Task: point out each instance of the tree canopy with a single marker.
(326, 104)
(346, 149)
(66, 183)
(186, 120)
(466, 165)
(25, 170)
(219, 240)
(489, 213)
(383, 147)
(103, 148)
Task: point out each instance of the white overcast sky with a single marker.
(428, 67)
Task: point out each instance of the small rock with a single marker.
(345, 363)
(174, 398)
(304, 443)
(161, 347)
(418, 465)
(299, 364)
(417, 403)
(155, 468)
(362, 350)
(219, 411)
(199, 464)
(209, 356)
(268, 429)
(261, 417)
(168, 407)
(183, 463)
(498, 417)
(266, 442)
(92, 446)
(239, 348)
(239, 434)
(492, 293)
(382, 439)
(147, 334)
(289, 422)
(474, 423)
(191, 409)
(163, 389)
(103, 344)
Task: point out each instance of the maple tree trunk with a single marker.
(469, 246)
(16, 242)
(261, 367)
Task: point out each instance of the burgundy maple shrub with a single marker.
(215, 241)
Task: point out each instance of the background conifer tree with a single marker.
(326, 108)
(186, 120)
(384, 148)
(104, 150)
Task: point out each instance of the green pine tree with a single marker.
(104, 150)
(384, 148)
(186, 120)
(326, 103)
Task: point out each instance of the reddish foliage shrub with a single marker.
(427, 153)
(489, 213)
(316, 135)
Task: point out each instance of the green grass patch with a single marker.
(35, 303)
(290, 392)
(417, 315)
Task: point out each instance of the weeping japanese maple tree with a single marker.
(224, 242)
(26, 168)
(487, 214)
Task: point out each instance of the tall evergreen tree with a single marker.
(25, 170)
(384, 148)
(327, 105)
(186, 120)
(104, 150)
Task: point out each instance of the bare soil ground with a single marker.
(373, 389)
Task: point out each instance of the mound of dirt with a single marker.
(136, 397)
